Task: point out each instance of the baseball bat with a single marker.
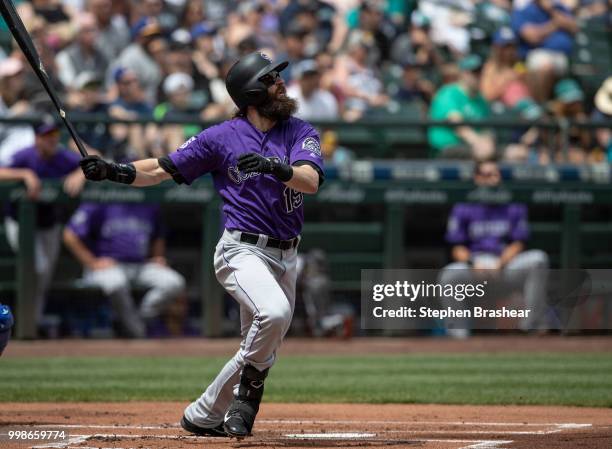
(24, 41)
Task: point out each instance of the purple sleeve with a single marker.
(520, 226)
(456, 228)
(307, 147)
(17, 160)
(84, 220)
(195, 157)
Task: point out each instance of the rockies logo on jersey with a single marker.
(311, 144)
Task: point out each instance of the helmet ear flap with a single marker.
(256, 96)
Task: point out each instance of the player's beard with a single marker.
(278, 107)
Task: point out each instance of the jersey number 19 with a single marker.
(293, 199)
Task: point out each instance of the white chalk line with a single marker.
(306, 421)
(477, 444)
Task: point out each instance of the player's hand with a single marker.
(102, 263)
(94, 168)
(253, 162)
(73, 184)
(32, 183)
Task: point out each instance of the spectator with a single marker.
(489, 241)
(83, 54)
(501, 81)
(603, 112)
(207, 53)
(131, 105)
(178, 88)
(120, 246)
(372, 22)
(113, 30)
(414, 86)
(333, 153)
(449, 23)
(457, 102)
(86, 98)
(568, 105)
(222, 105)
(415, 46)
(158, 11)
(193, 14)
(144, 56)
(545, 29)
(59, 19)
(357, 81)
(294, 45)
(314, 103)
(46, 159)
(13, 103)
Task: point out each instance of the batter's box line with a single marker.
(78, 439)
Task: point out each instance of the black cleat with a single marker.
(203, 431)
(240, 417)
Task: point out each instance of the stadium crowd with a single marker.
(350, 60)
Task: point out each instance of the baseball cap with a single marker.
(145, 27)
(419, 20)
(10, 67)
(504, 36)
(470, 63)
(177, 81)
(305, 67)
(568, 91)
(528, 109)
(46, 125)
(202, 29)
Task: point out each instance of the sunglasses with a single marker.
(269, 79)
(487, 174)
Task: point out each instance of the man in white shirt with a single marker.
(315, 103)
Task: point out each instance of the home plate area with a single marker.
(326, 426)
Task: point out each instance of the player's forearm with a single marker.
(78, 248)
(149, 173)
(510, 252)
(305, 179)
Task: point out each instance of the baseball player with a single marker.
(262, 163)
(121, 244)
(6, 323)
(490, 238)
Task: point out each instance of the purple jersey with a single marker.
(255, 203)
(121, 231)
(487, 228)
(60, 164)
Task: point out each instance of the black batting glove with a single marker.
(97, 169)
(94, 168)
(253, 162)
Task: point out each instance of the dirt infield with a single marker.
(296, 346)
(154, 425)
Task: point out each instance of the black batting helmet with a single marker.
(243, 82)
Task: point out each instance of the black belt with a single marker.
(272, 242)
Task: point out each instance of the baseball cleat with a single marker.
(240, 417)
(203, 431)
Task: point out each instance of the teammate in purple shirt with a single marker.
(262, 163)
(489, 240)
(46, 159)
(120, 245)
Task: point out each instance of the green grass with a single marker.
(553, 379)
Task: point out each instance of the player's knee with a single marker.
(539, 259)
(276, 318)
(173, 281)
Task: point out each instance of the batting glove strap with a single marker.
(121, 173)
(256, 163)
(283, 172)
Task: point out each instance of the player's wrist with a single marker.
(121, 173)
(283, 172)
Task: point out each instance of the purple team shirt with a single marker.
(62, 163)
(123, 232)
(255, 203)
(487, 228)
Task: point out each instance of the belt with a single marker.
(284, 245)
